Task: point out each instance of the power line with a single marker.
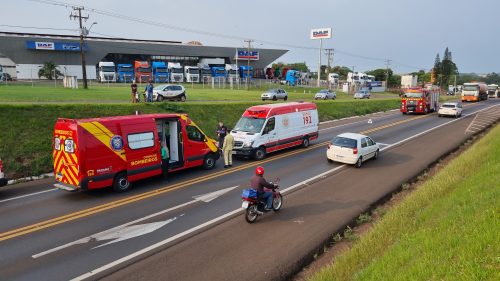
(37, 27)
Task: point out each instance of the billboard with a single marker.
(55, 46)
(321, 33)
(246, 55)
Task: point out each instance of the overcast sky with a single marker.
(409, 32)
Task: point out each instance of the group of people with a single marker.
(148, 92)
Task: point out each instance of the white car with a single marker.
(325, 94)
(450, 109)
(351, 148)
(169, 92)
(3, 180)
(362, 94)
(274, 94)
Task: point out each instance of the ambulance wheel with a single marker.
(209, 162)
(305, 142)
(260, 153)
(121, 183)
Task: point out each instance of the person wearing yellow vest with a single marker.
(227, 149)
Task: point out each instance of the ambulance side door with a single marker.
(269, 134)
(142, 152)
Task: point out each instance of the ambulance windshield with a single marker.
(249, 125)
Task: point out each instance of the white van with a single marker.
(267, 128)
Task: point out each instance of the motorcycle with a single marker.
(255, 205)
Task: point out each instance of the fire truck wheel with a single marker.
(209, 162)
(359, 162)
(121, 183)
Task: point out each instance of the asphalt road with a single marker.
(166, 231)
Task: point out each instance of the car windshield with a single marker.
(344, 142)
(159, 88)
(176, 70)
(126, 68)
(107, 68)
(249, 124)
(193, 71)
(206, 71)
(449, 105)
(413, 95)
(161, 70)
(272, 91)
(323, 91)
(144, 69)
(470, 87)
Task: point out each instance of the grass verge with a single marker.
(26, 130)
(446, 230)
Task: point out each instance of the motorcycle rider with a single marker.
(258, 182)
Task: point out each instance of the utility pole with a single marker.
(387, 63)
(249, 41)
(78, 15)
(329, 53)
(319, 62)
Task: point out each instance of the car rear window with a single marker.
(344, 142)
(449, 105)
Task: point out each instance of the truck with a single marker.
(408, 81)
(246, 71)
(1, 73)
(205, 72)
(493, 91)
(142, 70)
(176, 72)
(476, 91)
(333, 78)
(117, 151)
(420, 99)
(263, 129)
(232, 72)
(292, 77)
(192, 74)
(125, 73)
(106, 71)
(160, 72)
(358, 78)
(218, 72)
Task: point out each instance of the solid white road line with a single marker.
(26, 195)
(239, 210)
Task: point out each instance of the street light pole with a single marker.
(248, 63)
(82, 31)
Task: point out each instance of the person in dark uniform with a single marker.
(221, 133)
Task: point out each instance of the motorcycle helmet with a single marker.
(259, 170)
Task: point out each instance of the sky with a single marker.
(365, 32)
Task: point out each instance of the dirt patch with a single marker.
(342, 242)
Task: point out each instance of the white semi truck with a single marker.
(106, 72)
(232, 72)
(176, 72)
(192, 74)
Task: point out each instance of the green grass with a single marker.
(449, 229)
(120, 93)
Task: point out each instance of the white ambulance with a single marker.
(267, 128)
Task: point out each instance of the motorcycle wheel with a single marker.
(251, 214)
(277, 202)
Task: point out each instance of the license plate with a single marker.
(244, 205)
(339, 156)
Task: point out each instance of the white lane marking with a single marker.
(27, 195)
(231, 213)
(204, 198)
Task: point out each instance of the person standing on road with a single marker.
(221, 133)
(149, 91)
(165, 158)
(227, 150)
(133, 87)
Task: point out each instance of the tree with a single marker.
(436, 70)
(448, 69)
(48, 70)
(341, 71)
(492, 78)
(379, 73)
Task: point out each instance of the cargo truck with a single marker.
(476, 91)
(192, 74)
(125, 73)
(205, 73)
(176, 72)
(143, 73)
(106, 71)
(160, 72)
(493, 91)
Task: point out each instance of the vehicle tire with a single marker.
(325, 98)
(285, 98)
(159, 98)
(439, 115)
(260, 153)
(375, 156)
(426, 111)
(183, 98)
(121, 183)
(315, 98)
(275, 98)
(329, 160)
(359, 162)
(277, 202)
(305, 142)
(209, 162)
(251, 214)
(263, 99)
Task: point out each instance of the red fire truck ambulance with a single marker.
(115, 151)
(267, 128)
(420, 100)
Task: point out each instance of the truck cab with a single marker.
(246, 72)
(160, 72)
(205, 73)
(333, 78)
(292, 77)
(192, 74)
(218, 72)
(232, 72)
(125, 73)
(420, 100)
(106, 71)
(176, 72)
(143, 72)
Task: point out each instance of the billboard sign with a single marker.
(321, 33)
(44, 45)
(246, 55)
(55, 46)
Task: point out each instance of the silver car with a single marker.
(325, 94)
(274, 94)
(169, 92)
(362, 94)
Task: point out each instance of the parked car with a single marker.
(325, 94)
(274, 94)
(169, 92)
(351, 148)
(450, 109)
(3, 180)
(362, 94)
